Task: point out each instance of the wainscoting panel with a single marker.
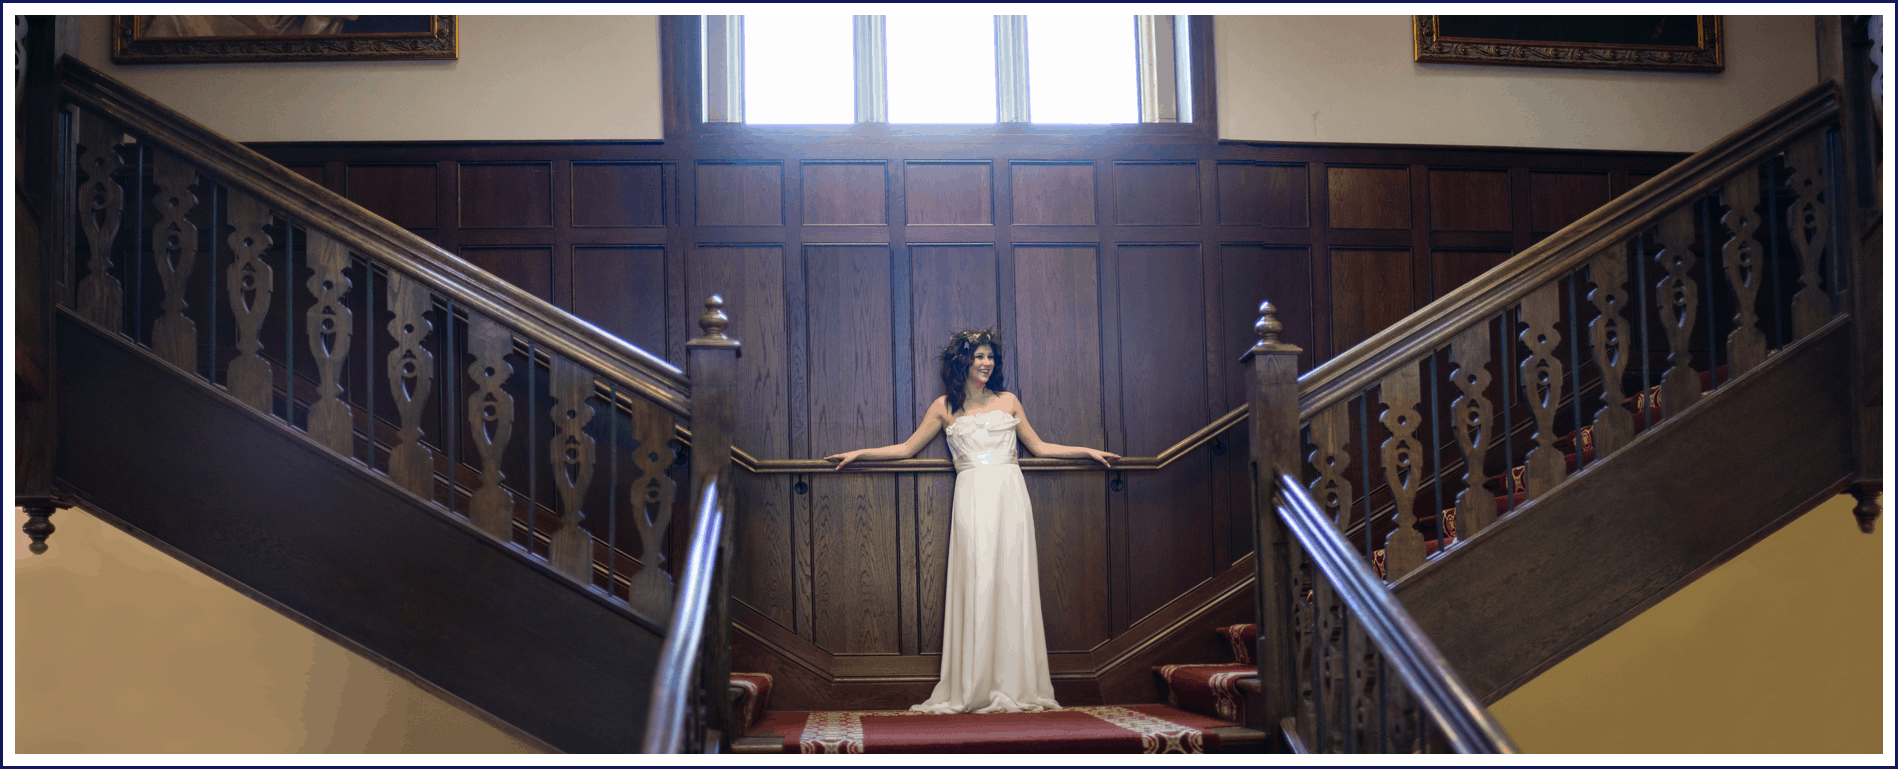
(506, 195)
(949, 192)
(1053, 193)
(619, 194)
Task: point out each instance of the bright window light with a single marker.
(798, 70)
(1082, 69)
(941, 68)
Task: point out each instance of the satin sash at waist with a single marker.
(964, 462)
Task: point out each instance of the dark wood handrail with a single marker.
(674, 680)
(1186, 445)
(370, 235)
(1432, 327)
(1463, 721)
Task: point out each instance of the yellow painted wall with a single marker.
(1782, 650)
(121, 649)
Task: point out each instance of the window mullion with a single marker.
(872, 71)
(1183, 67)
(1011, 69)
(1153, 49)
(723, 69)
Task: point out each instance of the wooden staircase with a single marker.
(538, 616)
(405, 454)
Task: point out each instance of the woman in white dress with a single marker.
(994, 650)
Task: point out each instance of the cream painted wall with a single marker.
(518, 78)
(119, 648)
(1780, 650)
(1351, 79)
(1338, 79)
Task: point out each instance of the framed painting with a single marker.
(179, 39)
(1667, 43)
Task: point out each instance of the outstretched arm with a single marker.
(932, 423)
(1043, 448)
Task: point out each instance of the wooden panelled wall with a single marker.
(1124, 274)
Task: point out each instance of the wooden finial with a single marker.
(712, 325)
(714, 321)
(38, 528)
(1866, 511)
(1269, 327)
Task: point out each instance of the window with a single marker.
(797, 69)
(945, 69)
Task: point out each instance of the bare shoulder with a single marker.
(939, 409)
(1012, 404)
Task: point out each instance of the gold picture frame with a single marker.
(1652, 43)
(182, 39)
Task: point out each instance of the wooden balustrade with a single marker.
(1342, 667)
(1640, 310)
(410, 362)
(321, 316)
(1687, 282)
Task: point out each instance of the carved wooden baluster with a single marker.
(491, 423)
(1364, 706)
(1401, 715)
(572, 452)
(1304, 665)
(101, 207)
(1403, 548)
(1678, 301)
(1329, 434)
(411, 372)
(1608, 332)
(250, 282)
(1809, 225)
(652, 499)
(1330, 650)
(1746, 346)
(328, 323)
(175, 249)
(1470, 418)
(1542, 383)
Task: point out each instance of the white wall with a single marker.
(1352, 79)
(518, 78)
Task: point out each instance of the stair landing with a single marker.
(1083, 729)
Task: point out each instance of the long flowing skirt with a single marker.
(994, 650)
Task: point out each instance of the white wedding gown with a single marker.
(994, 651)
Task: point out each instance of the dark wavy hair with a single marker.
(960, 355)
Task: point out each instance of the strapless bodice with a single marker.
(981, 439)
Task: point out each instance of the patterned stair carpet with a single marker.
(1084, 729)
(1213, 689)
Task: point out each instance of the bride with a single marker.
(994, 651)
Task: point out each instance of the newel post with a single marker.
(44, 211)
(1272, 392)
(713, 358)
(1847, 56)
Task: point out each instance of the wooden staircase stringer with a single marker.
(338, 548)
(1635, 527)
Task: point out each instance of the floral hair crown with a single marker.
(969, 340)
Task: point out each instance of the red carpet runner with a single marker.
(1086, 729)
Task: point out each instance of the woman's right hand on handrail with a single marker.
(846, 457)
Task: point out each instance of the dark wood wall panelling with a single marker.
(1124, 274)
